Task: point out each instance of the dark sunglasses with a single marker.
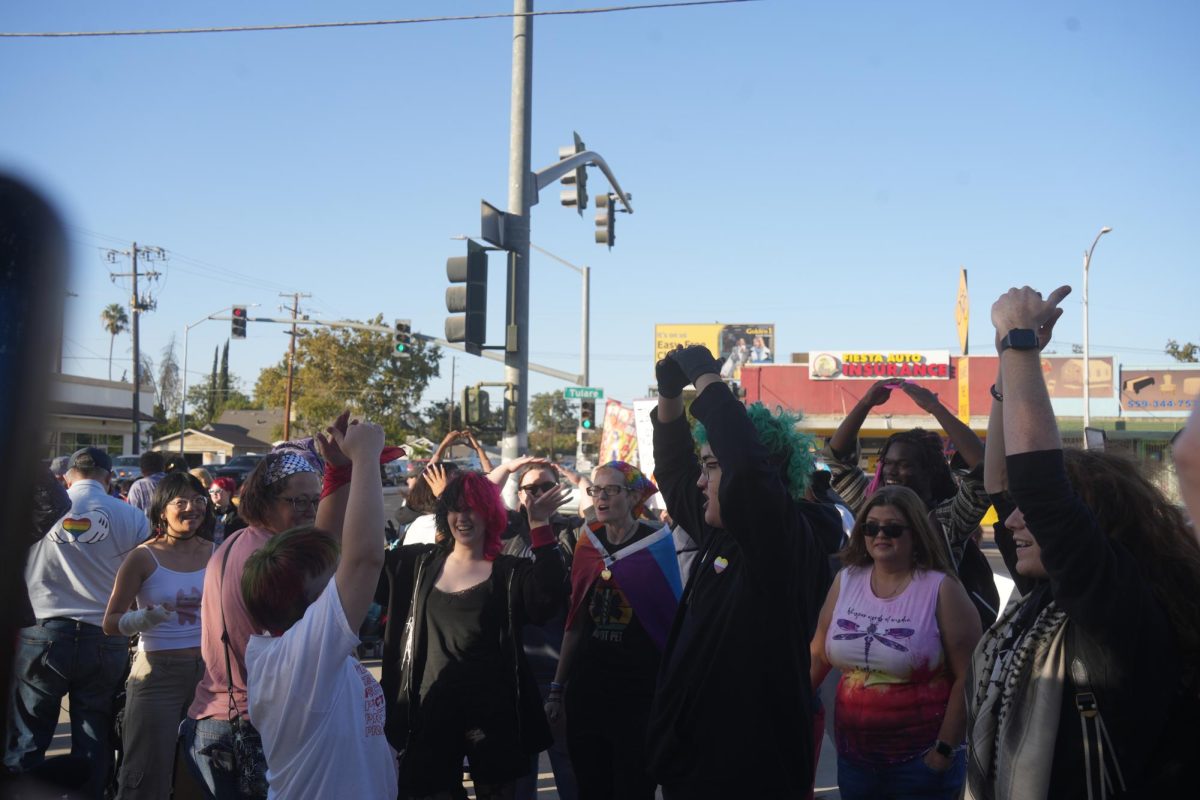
(539, 488)
(891, 530)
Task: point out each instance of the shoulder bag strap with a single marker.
(233, 712)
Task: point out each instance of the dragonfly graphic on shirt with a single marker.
(872, 633)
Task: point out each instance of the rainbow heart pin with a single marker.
(720, 563)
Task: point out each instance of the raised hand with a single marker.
(880, 392)
(541, 508)
(671, 377)
(695, 360)
(1025, 308)
(926, 400)
(435, 476)
(328, 446)
(362, 442)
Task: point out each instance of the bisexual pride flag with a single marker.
(647, 572)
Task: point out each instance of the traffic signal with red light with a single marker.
(238, 330)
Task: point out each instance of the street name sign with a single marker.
(583, 393)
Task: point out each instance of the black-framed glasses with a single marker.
(539, 488)
(889, 530)
(607, 491)
(302, 503)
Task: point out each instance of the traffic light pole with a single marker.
(183, 397)
(516, 334)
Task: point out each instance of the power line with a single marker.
(368, 23)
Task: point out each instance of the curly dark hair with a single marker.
(172, 486)
(1133, 511)
(932, 461)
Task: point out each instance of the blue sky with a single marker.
(824, 166)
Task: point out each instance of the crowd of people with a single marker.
(673, 633)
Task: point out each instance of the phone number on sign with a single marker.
(1160, 403)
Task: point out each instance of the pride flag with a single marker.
(647, 572)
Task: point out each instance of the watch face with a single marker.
(1021, 339)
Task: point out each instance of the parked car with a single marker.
(126, 468)
(237, 468)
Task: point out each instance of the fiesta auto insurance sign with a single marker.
(871, 365)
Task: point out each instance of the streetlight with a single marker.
(183, 398)
(584, 334)
(1087, 374)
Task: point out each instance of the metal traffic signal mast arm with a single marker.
(362, 326)
(548, 175)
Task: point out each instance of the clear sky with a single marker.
(823, 166)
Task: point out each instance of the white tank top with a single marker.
(181, 590)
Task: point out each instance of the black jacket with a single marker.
(1118, 630)
(732, 715)
(533, 591)
(50, 503)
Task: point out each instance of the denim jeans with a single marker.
(912, 780)
(59, 658)
(208, 750)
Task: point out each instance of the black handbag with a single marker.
(249, 761)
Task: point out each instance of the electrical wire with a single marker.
(368, 23)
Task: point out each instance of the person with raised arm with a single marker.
(1087, 685)
(318, 710)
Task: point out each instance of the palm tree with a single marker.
(115, 321)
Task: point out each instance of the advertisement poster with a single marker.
(1064, 376)
(733, 345)
(1159, 391)
(618, 441)
(872, 365)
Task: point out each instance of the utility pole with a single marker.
(516, 334)
(136, 306)
(287, 398)
(450, 414)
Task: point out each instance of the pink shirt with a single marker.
(212, 693)
(895, 684)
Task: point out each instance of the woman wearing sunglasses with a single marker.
(157, 595)
(900, 627)
(609, 661)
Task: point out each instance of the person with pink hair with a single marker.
(455, 677)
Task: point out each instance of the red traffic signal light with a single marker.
(238, 329)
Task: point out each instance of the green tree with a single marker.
(115, 321)
(223, 386)
(1187, 351)
(552, 424)
(339, 368)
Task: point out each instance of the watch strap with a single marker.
(943, 749)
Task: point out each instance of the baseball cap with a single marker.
(91, 458)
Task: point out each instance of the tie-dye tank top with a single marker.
(895, 683)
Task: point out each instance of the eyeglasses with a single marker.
(216, 490)
(183, 504)
(302, 503)
(539, 488)
(890, 530)
(607, 491)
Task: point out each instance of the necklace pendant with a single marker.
(606, 574)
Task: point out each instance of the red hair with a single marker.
(225, 483)
(474, 491)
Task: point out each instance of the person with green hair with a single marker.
(732, 713)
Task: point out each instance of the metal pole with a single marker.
(450, 413)
(516, 359)
(585, 333)
(137, 372)
(183, 400)
(287, 398)
(1087, 373)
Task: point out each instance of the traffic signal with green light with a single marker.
(587, 414)
(402, 339)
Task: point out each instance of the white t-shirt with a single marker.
(422, 530)
(319, 711)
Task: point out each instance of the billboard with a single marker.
(1064, 376)
(733, 345)
(871, 365)
(1159, 391)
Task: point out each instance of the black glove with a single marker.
(695, 360)
(671, 379)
